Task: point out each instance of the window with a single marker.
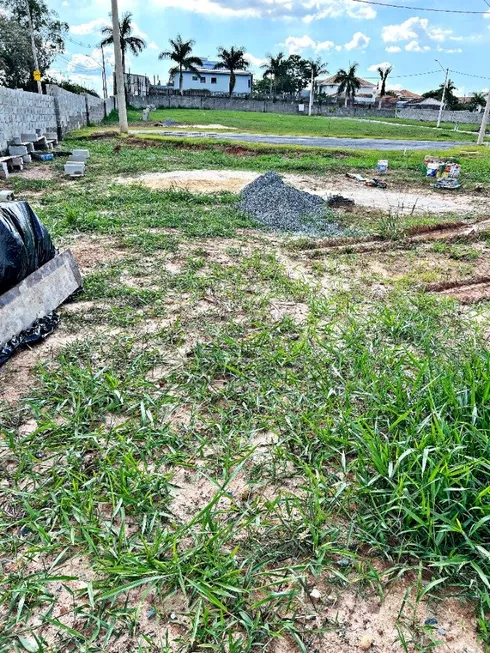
(195, 78)
(213, 80)
(203, 80)
(249, 83)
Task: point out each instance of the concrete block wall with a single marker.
(240, 104)
(22, 112)
(58, 110)
(429, 115)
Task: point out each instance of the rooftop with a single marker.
(331, 81)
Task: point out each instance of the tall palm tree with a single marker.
(232, 60)
(275, 69)
(316, 67)
(126, 37)
(181, 53)
(383, 71)
(348, 82)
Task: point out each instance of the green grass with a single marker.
(335, 439)
(431, 124)
(265, 123)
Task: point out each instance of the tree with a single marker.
(383, 71)
(128, 41)
(348, 82)
(315, 68)
(275, 69)
(478, 99)
(181, 53)
(450, 98)
(232, 60)
(16, 60)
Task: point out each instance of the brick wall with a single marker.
(239, 104)
(58, 110)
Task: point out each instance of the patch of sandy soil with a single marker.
(402, 203)
(195, 181)
(41, 172)
(359, 622)
(90, 251)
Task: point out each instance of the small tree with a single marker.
(383, 71)
(181, 53)
(126, 37)
(232, 60)
(275, 69)
(348, 82)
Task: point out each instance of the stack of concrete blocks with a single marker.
(75, 166)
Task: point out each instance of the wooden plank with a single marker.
(37, 295)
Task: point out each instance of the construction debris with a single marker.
(6, 195)
(34, 281)
(367, 181)
(340, 202)
(279, 206)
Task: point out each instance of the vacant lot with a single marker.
(266, 123)
(242, 441)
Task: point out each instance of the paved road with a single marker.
(313, 141)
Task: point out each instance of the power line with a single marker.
(429, 72)
(440, 11)
(457, 72)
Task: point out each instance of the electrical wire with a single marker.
(440, 11)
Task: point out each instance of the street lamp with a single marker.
(446, 70)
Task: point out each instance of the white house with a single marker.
(366, 94)
(216, 81)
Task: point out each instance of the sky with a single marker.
(340, 32)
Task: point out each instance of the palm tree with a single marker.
(315, 68)
(383, 71)
(478, 99)
(128, 40)
(181, 53)
(348, 82)
(232, 60)
(275, 68)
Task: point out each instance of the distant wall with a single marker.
(429, 115)
(239, 104)
(57, 111)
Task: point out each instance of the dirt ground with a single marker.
(423, 201)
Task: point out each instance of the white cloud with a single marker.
(255, 62)
(449, 50)
(153, 46)
(375, 66)
(65, 4)
(288, 10)
(138, 32)
(486, 14)
(414, 46)
(297, 44)
(393, 49)
(359, 42)
(415, 29)
(90, 28)
(90, 62)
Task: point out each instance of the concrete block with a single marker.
(75, 168)
(37, 295)
(80, 155)
(4, 171)
(6, 195)
(29, 137)
(27, 158)
(17, 150)
(17, 163)
(16, 140)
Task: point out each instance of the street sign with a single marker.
(37, 75)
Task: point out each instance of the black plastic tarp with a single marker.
(41, 329)
(25, 244)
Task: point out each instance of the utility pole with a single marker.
(312, 90)
(121, 95)
(34, 51)
(443, 93)
(484, 122)
(104, 75)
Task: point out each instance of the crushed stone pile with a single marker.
(281, 207)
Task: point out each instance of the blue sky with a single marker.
(338, 31)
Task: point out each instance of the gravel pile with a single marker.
(281, 207)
